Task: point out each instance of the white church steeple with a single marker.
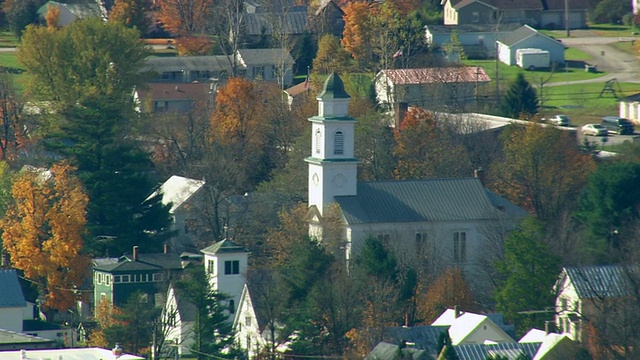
(332, 164)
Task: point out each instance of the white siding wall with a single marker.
(229, 284)
(439, 247)
(487, 331)
(630, 110)
(11, 318)
(248, 336)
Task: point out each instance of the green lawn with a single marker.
(9, 60)
(626, 46)
(582, 102)
(613, 30)
(509, 73)
(8, 39)
(607, 30)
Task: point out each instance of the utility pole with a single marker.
(566, 17)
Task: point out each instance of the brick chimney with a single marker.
(135, 253)
(117, 350)
(480, 174)
(399, 110)
(548, 326)
(456, 312)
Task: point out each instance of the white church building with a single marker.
(453, 220)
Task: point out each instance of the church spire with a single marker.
(332, 164)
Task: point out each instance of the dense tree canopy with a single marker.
(609, 210)
(86, 58)
(543, 170)
(115, 172)
(529, 270)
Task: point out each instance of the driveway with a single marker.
(620, 65)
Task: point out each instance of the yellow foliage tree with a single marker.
(106, 316)
(43, 232)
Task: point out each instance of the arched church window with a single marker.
(318, 140)
(338, 143)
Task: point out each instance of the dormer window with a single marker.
(338, 143)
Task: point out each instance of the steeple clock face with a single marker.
(315, 179)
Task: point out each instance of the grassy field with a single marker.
(626, 46)
(582, 102)
(607, 30)
(508, 73)
(8, 39)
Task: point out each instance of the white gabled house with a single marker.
(528, 37)
(468, 328)
(591, 293)
(179, 317)
(249, 327)
(185, 196)
(225, 264)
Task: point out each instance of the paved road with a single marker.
(619, 65)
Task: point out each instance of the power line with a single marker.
(55, 287)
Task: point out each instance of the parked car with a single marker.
(559, 120)
(618, 125)
(594, 130)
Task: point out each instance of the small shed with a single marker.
(629, 108)
(528, 37)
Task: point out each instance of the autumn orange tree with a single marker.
(52, 16)
(237, 116)
(425, 150)
(185, 17)
(194, 45)
(543, 169)
(358, 31)
(132, 14)
(43, 232)
(448, 290)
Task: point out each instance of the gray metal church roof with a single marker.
(418, 201)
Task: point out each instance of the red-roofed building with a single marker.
(450, 88)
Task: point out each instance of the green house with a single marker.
(117, 279)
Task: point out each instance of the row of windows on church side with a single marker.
(421, 241)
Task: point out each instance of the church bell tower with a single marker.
(332, 165)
